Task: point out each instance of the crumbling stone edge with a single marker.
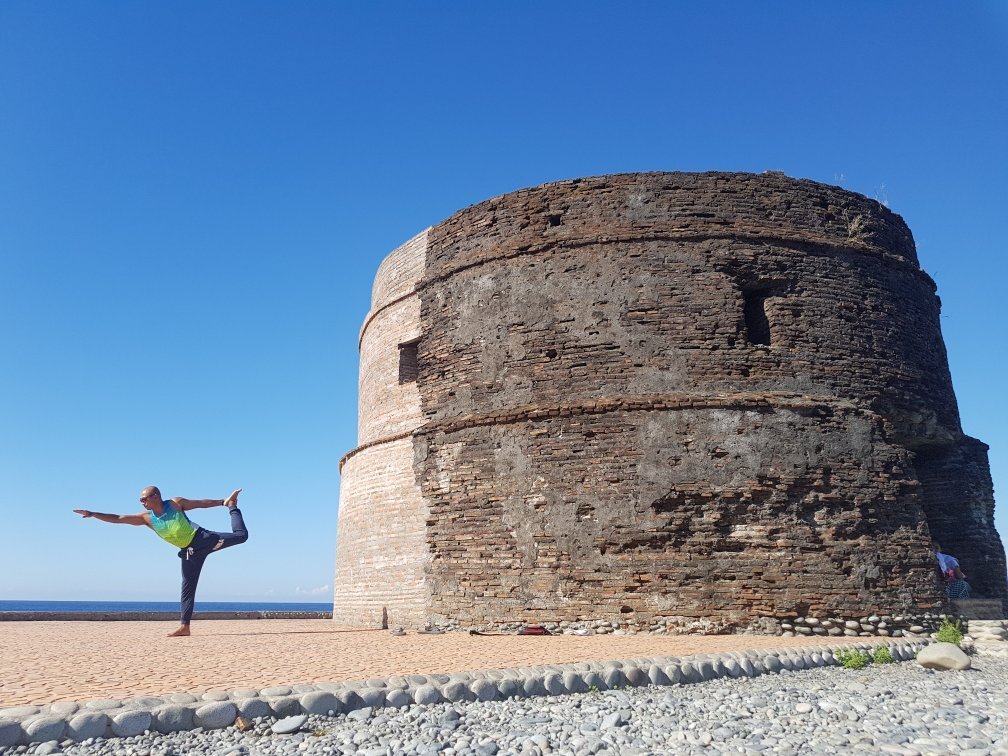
(24, 725)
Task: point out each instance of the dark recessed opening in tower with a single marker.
(408, 368)
(554, 220)
(944, 509)
(756, 322)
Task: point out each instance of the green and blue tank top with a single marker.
(173, 526)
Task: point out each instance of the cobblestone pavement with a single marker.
(44, 662)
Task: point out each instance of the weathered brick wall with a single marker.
(663, 258)
(635, 477)
(381, 553)
(958, 498)
(596, 436)
(385, 406)
(381, 549)
(725, 510)
(399, 272)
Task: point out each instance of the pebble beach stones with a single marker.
(379, 700)
(289, 724)
(883, 708)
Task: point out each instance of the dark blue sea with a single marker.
(160, 606)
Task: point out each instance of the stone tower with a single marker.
(703, 397)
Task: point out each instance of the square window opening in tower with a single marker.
(756, 322)
(408, 368)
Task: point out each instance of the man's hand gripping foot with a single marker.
(232, 501)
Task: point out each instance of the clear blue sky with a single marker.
(194, 198)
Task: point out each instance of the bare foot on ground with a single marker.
(180, 633)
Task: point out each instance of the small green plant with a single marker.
(593, 689)
(950, 632)
(883, 655)
(853, 659)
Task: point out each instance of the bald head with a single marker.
(150, 496)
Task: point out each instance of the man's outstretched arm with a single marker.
(185, 504)
(137, 519)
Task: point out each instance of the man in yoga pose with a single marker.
(168, 519)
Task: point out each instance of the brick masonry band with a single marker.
(108, 718)
(802, 405)
(687, 401)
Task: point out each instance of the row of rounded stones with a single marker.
(108, 718)
(864, 627)
(875, 625)
(989, 630)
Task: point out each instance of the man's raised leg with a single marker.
(238, 534)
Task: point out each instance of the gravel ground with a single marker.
(895, 708)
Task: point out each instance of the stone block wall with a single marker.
(675, 397)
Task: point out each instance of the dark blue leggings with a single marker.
(204, 543)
